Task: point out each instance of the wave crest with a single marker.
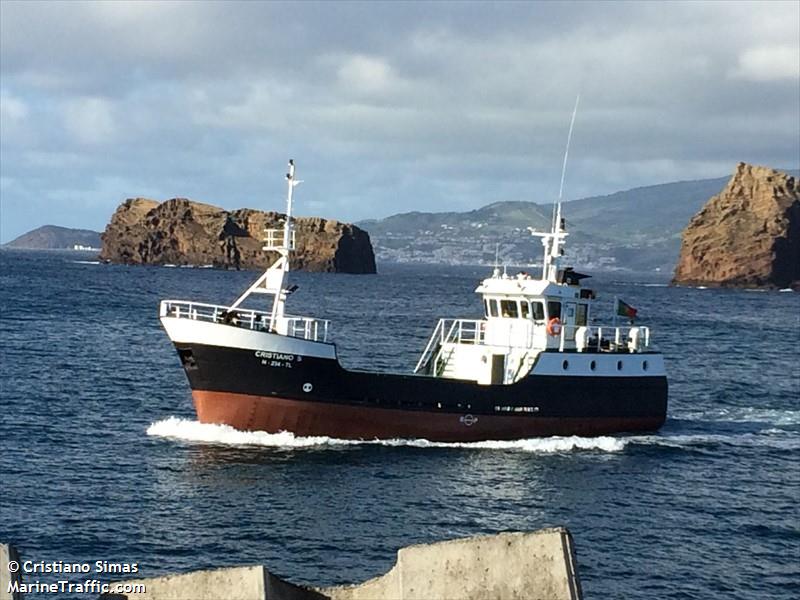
(744, 415)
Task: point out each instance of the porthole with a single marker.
(619, 365)
(644, 366)
(565, 365)
(593, 365)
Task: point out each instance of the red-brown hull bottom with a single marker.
(264, 413)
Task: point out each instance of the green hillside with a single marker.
(637, 229)
(656, 211)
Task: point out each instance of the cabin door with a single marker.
(569, 321)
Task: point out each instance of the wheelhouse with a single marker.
(524, 317)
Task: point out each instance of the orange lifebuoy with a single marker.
(554, 326)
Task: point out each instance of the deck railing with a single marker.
(306, 328)
(603, 338)
(608, 338)
(459, 331)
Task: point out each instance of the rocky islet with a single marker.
(183, 232)
(746, 236)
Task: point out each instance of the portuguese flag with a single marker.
(625, 310)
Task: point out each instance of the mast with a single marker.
(288, 226)
(282, 242)
(553, 242)
(284, 250)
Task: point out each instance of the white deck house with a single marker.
(525, 317)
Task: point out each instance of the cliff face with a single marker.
(746, 236)
(180, 231)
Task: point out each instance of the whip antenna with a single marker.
(566, 151)
(554, 240)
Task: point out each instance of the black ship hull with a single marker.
(312, 396)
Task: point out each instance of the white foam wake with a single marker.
(745, 414)
(769, 438)
(194, 431)
(86, 262)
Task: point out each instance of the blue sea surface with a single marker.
(708, 507)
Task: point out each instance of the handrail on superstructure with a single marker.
(607, 338)
(424, 358)
(461, 331)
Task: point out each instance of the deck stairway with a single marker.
(435, 359)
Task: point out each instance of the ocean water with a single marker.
(101, 457)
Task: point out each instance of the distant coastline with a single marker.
(54, 237)
(630, 232)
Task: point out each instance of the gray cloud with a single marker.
(386, 107)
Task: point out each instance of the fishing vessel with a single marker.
(534, 363)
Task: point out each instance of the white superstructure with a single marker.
(526, 316)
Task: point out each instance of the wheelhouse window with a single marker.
(509, 308)
(553, 310)
(493, 310)
(537, 311)
(486, 306)
(524, 309)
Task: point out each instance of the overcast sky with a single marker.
(386, 107)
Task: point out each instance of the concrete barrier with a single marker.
(7, 554)
(508, 566)
(235, 583)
